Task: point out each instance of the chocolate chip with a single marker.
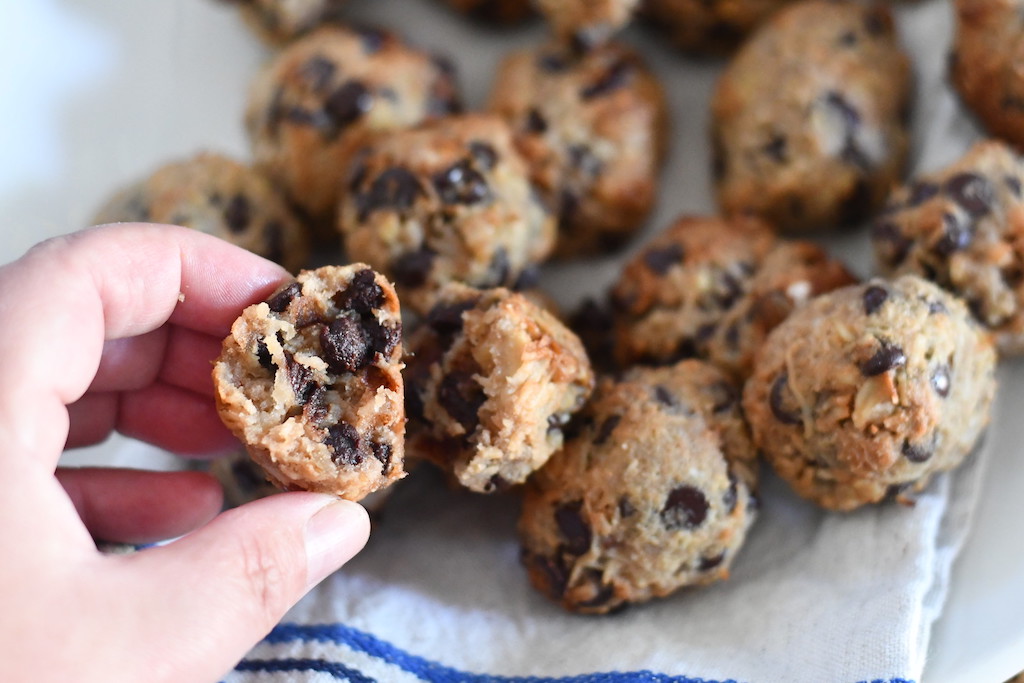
(1013, 183)
(535, 123)
(614, 77)
(317, 72)
(484, 154)
(462, 396)
(857, 205)
(460, 183)
(500, 268)
(626, 507)
(348, 103)
(237, 213)
(920, 192)
(446, 318)
(383, 338)
(955, 237)
(497, 483)
(775, 401)
(685, 508)
(661, 259)
(850, 117)
(892, 246)
(606, 429)
(344, 442)
(848, 39)
(583, 159)
(264, 357)
(301, 380)
(382, 451)
(709, 563)
(935, 307)
(395, 189)
(887, 357)
(316, 409)
(573, 528)
(664, 396)
(725, 396)
(279, 301)
(973, 192)
(345, 345)
(916, 452)
(527, 278)
(731, 495)
(362, 294)
(553, 570)
(731, 290)
(777, 148)
(411, 269)
(874, 297)
(552, 63)
(941, 381)
(373, 39)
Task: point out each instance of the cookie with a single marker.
(709, 27)
(310, 381)
(713, 288)
(866, 392)
(494, 11)
(963, 228)
(493, 379)
(278, 22)
(585, 24)
(656, 492)
(984, 64)
(593, 129)
(322, 96)
(447, 201)
(809, 120)
(219, 196)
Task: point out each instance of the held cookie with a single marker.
(715, 27)
(585, 24)
(493, 379)
(447, 201)
(310, 381)
(221, 197)
(984, 65)
(963, 228)
(868, 391)
(713, 289)
(322, 96)
(655, 493)
(810, 118)
(279, 21)
(593, 130)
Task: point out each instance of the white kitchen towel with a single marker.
(439, 595)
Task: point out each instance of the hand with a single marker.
(115, 328)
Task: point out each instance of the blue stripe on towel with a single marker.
(426, 669)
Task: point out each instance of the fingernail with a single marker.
(333, 535)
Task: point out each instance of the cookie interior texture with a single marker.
(310, 381)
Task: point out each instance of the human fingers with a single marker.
(223, 587)
(136, 506)
(175, 355)
(105, 283)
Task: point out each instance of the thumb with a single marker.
(203, 601)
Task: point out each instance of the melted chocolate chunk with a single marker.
(345, 345)
(660, 260)
(484, 154)
(606, 429)
(916, 452)
(301, 380)
(685, 508)
(573, 528)
(462, 396)
(348, 103)
(973, 192)
(613, 78)
(887, 357)
(874, 297)
(709, 563)
(237, 214)
(412, 268)
(345, 444)
(955, 237)
(775, 401)
(941, 381)
(279, 301)
(362, 294)
(460, 183)
(396, 189)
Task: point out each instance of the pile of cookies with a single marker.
(632, 427)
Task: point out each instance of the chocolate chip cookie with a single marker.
(963, 228)
(984, 64)
(447, 201)
(653, 494)
(320, 98)
(221, 197)
(593, 129)
(713, 288)
(809, 120)
(279, 21)
(493, 380)
(585, 24)
(310, 381)
(709, 27)
(868, 391)
(494, 11)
